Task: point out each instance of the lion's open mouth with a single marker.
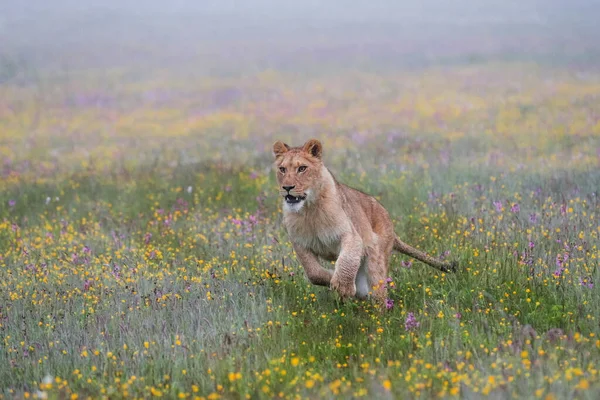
(294, 199)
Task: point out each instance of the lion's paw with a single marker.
(345, 289)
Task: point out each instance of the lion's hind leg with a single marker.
(378, 270)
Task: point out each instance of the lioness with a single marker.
(329, 220)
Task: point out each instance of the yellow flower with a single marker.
(309, 384)
(583, 384)
(295, 361)
(387, 384)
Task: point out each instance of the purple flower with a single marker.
(458, 315)
(389, 304)
(253, 175)
(563, 209)
(407, 264)
(411, 323)
(533, 218)
(587, 282)
(236, 221)
(515, 208)
(558, 272)
(147, 238)
(498, 205)
(531, 244)
(11, 203)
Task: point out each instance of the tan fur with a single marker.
(337, 223)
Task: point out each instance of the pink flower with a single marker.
(498, 205)
(411, 323)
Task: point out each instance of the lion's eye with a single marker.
(302, 168)
(282, 170)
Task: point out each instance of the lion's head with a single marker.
(299, 172)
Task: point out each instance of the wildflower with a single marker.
(498, 205)
(458, 315)
(515, 208)
(389, 304)
(189, 189)
(587, 282)
(11, 203)
(558, 272)
(411, 323)
(407, 264)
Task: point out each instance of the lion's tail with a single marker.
(404, 248)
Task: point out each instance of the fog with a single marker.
(232, 37)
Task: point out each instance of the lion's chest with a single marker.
(325, 246)
(325, 243)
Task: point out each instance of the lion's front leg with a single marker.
(315, 273)
(346, 267)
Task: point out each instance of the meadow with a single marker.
(142, 253)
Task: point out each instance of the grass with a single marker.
(142, 252)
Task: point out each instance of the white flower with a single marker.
(48, 200)
(189, 189)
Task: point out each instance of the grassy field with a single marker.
(142, 253)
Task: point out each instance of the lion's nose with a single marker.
(288, 188)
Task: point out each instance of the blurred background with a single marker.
(117, 83)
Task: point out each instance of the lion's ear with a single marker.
(279, 148)
(314, 148)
